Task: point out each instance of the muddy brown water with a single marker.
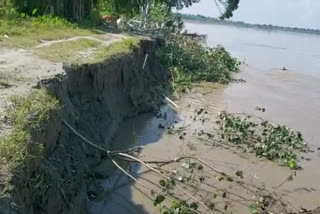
(289, 98)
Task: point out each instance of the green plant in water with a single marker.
(272, 141)
(189, 61)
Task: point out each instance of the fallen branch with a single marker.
(141, 184)
(168, 178)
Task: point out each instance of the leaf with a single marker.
(34, 11)
(225, 207)
(162, 183)
(224, 195)
(253, 208)
(292, 163)
(229, 179)
(159, 199)
(219, 178)
(239, 174)
(185, 165)
(194, 205)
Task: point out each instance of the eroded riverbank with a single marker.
(289, 98)
(44, 165)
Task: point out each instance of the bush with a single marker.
(189, 61)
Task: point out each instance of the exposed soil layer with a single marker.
(94, 99)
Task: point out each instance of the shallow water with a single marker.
(290, 98)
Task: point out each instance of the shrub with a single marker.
(189, 61)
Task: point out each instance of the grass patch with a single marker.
(86, 50)
(26, 114)
(69, 51)
(122, 47)
(26, 32)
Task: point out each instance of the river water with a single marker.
(291, 97)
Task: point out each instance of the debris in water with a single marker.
(239, 174)
(160, 126)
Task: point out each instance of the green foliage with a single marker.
(253, 208)
(230, 6)
(71, 9)
(189, 61)
(274, 142)
(6, 8)
(116, 8)
(159, 13)
(26, 114)
(79, 10)
(21, 25)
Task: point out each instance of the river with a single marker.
(291, 97)
(265, 50)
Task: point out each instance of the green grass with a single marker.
(122, 47)
(85, 50)
(26, 114)
(68, 51)
(26, 32)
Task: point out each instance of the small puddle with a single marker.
(289, 98)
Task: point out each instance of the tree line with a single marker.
(77, 10)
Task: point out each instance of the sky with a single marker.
(291, 13)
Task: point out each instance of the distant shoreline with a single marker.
(210, 20)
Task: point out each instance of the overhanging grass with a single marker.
(122, 47)
(27, 32)
(25, 114)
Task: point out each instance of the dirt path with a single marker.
(105, 39)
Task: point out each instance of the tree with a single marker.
(77, 10)
(131, 7)
(229, 7)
